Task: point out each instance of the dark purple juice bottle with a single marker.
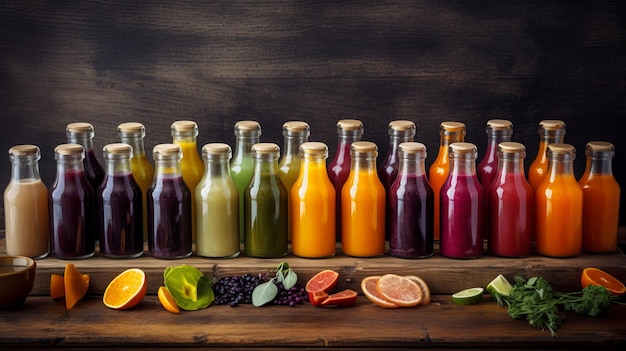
(82, 133)
(410, 200)
(169, 206)
(71, 201)
(119, 205)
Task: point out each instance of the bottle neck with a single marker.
(394, 142)
(411, 165)
(81, 139)
(69, 164)
(167, 166)
(510, 163)
(265, 166)
(599, 165)
(217, 168)
(243, 146)
(448, 138)
(463, 164)
(118, 165)
(363, 163)
(560, 165)
(24, 168)
(292, 145)
(136, 142)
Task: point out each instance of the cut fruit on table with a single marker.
(167, 300)
(500, 285)
(468, 296)
(400, 290)
(126, 290)
(325, 280)
(369, 288)
(317, 297)
(342, 298)
(423, 286)
(595, 276)
(75, 286)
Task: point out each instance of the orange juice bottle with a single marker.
(449, 132)
(313, 205)
(363, 204)
(601, 194)
(184, 133)
(559, 206)
(550, 132)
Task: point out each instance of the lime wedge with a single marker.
(468, 296)
(500, 285)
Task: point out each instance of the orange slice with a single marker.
(399, 290)
(167, 300)
(126, 290)
(368, 286)
(75, 286)
(57, 285)
(423, 286)
(595, 276)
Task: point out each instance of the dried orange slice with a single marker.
(399, 290)
(167, 300)
(126, 290)
(75, 286)
(595, 276)
(423, 286)
(368, 286)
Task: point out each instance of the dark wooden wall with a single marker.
(217, 62)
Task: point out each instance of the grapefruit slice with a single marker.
(368, 286)
(400, 290)
(325, 281)
(342, 298)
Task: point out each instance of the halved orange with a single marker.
(399, 290)
(423, 286)
(368, 286)
(595, 276)
(167, 300)
(322, 281)
(126, 290)
(75, 286)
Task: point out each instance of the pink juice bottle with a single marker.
(463, 207)
(498, 130)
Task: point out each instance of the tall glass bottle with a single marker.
(184, 133)
(348, 131)
(217, 205)
(295, 133)
(71, 206)
(119, 206)
(601, 195)
(463, 205)
(498, 131)
(411, 197)
(265, 206)
(363, 204)
(169, 206)
(83, 133)
(550, 132)
(510, 202)
(26, 205)
(313, 205)
(449, 132)
(247, 133)
(559, 206)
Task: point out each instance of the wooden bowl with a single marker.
(17, 276)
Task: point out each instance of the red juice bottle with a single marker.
(411, 205)
(169, 206)
(348, 131)
(510, 201)
(71, 201)
(463, 208)
(498, 130)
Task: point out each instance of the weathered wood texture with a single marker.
(217, 62)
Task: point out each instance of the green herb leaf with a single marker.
(264, 293)
(290, 280)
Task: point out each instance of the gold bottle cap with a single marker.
(499, 124)
(451, 126)
(511, 147)
(24, 150)
(552, 124)
(117, 149)
(600, 146)
(314, 148)
(562, 148)
(463, 148)
(401, 125)
(166, 149)
(183, 126)
(296, 126)
(79, 127)
(247, 126)
(364, 147)
(216, 149)
(266, 149)
(349, 124)
(412, 147)
(131, 127)
(68, 149)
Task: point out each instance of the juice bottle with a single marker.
(559, 206)
(601, 195)
(411, 198)
(184, 133)
(169, 206)
(133, 133)
(295, 133)
(363, 204)
(313, 205)
(26, 205)
(265, 206)
(247, 133)
(348, 131)
(510, 201)
(498, 131)
(449, 132)
(71, 206)
(217, 205)
(550, 132)
(83, 133)
(119, 206)
(463, 206)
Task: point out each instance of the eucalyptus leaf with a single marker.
(290, 280)
(264, 293)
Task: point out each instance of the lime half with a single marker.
(468, 296)
(500, 285)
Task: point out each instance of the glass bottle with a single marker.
(169, 206)
(510, 202)
(348, 131)
(295, 133)
(83, 133)
(313, 203)
(133, 133)
(71, 206)
(119, 206)
(559, 206)
(363, 204)
(601, 197)
(265, 206)
(463, 205)
(449, 132)
(26, 205)
(411, 198)
(184, 133)
(217, 205)
(550, 132)
(498, 131)
(247, 133)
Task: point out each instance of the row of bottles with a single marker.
(267, 200)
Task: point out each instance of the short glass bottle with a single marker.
(217, 205)
(363, 204)
(71, 206)
(601, 199)
(498, 131)
(463, 205)
(26, 220)
(550, 132)
(119, 206)
(169, 206)
(83, 133)
(265, 206)
(559, 206)
(411, 198)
